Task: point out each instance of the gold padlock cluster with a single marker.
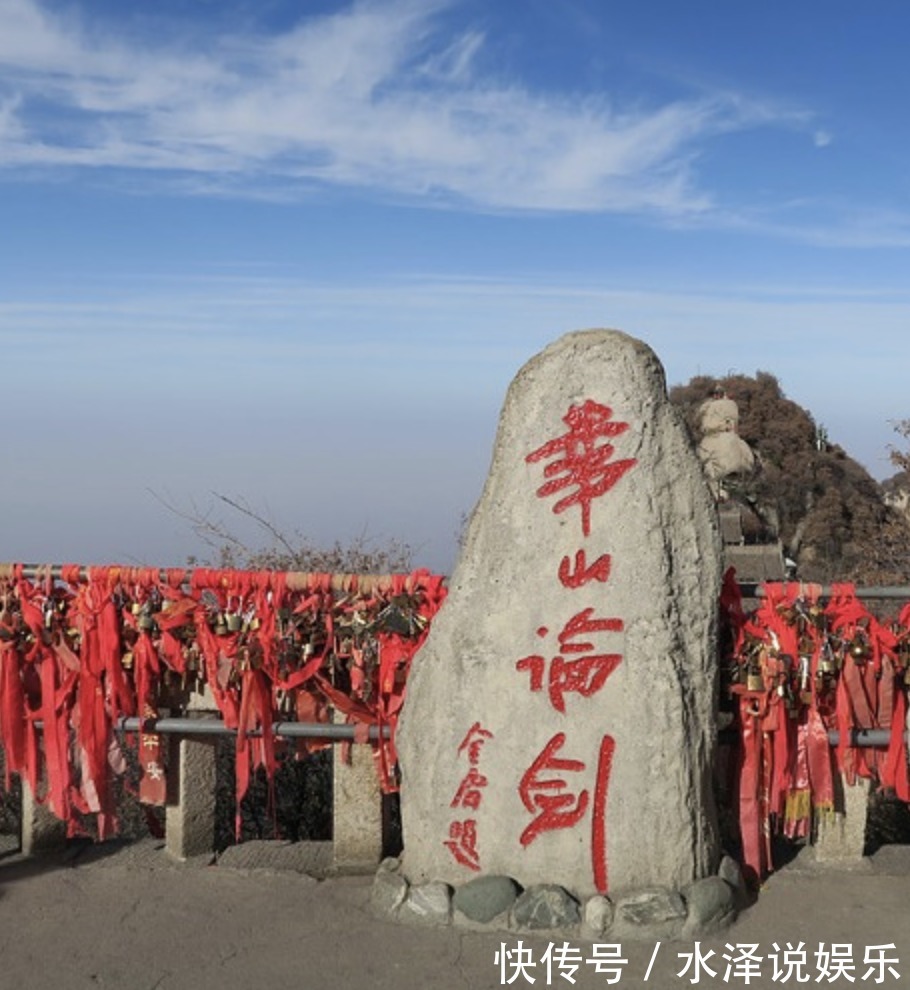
(797, 652)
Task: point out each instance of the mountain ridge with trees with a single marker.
(832, 517)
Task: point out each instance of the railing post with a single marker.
(357, 831)
(41, 830)
(190, 812)
(841, 836)
(189, 824)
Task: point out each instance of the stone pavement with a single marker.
(126, 917)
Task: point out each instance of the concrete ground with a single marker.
(127, 918)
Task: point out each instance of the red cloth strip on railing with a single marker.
(105, 642)
(101, 643)
(795, 670)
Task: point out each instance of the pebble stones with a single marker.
(652, 913)
(389, 888)
(545, 907)
(711, 907)
(428, 903)
(498, 903)
(483, 899)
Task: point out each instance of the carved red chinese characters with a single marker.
(583, 459)
(544, 793)
(462, 840)
(583, 463)
(580, 629)
(585, 675)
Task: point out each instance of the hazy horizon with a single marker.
(296, 255)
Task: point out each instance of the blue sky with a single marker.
(295, 251)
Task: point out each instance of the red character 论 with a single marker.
(581, 624)
(584, 675)
(559, 808)
(585, 459)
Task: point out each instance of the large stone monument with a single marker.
(559, 726)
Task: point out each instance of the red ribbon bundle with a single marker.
(80, 653)
(797, 670)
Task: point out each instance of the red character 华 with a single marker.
(585, 459)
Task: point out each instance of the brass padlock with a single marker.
(754, 680)
(234, 621)
(859, 648)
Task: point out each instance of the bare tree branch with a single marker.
(363, 554)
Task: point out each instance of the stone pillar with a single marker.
(190, 811)
(357, 822)
(560, 721)
(841, 836)
(41, 830)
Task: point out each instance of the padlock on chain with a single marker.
(145, 622)
(859, 648)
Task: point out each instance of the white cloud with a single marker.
(456, 61)
(821, 139)
(10, 127)
(376, 96)
(825, 223)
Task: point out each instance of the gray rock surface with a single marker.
(428, 903)
(729, 870)
(711, 905)
(388, 892)
(656, 913)
(559, 722)
(597, 916)
(546, 906)
(484, 898)
(649, 907)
